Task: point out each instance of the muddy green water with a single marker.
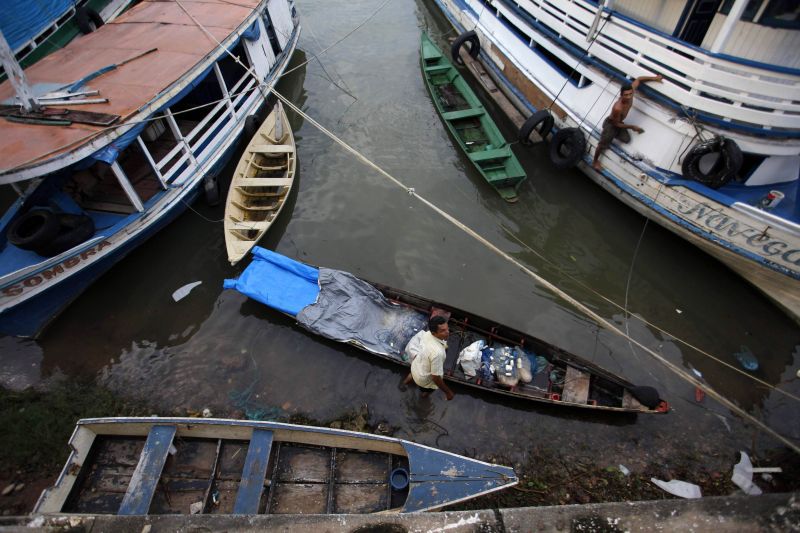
(218, 350)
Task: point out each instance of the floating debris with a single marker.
(184, 291)
(746, 358)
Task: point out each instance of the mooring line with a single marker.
(410, 190)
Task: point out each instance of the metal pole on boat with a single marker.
(17, 76)
(126, 185)
(592, 33)
(726, 30)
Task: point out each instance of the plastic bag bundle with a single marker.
(414, 346)
(486, 371)
(506, 366)
(524, 367)
(470, 358)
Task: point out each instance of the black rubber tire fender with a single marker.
(33, 229)
(73, 230)
(211, 189)
(88, 20)
(541, 122)
(727, 165)
(567, 147)
(251, 125)
(474, 46)
(647, 396)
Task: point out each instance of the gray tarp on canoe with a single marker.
(351, 310)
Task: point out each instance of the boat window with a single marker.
(97, 188)
(161, 143)
(139, 172)
(774, 13)
(273, 38)
(567, 70)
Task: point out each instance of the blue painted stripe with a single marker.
(145, 478)
(255, 470)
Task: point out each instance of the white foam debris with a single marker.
(37, 522)
(470, 520)
(184, 291)
(682, 489)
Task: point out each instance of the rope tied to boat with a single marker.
(469, 231)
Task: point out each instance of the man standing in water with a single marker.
(427, 367)
(614, 125)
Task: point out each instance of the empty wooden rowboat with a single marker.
(260, 185)
(139, 466)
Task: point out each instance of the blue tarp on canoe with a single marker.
(331, 303)
(277, 281)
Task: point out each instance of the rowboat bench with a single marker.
(500, 153)
(463, 113)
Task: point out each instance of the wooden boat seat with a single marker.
(437, 68)
(260, 194)
(463, 113)
(232, 224)
(486, 155)
(145, 477)
(263, 182)
(254, 473)
(576, 386)
(255, 207)
(271, 149)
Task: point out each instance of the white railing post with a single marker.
(126, 185)
(151, 161)
(17, 76)
(727, 27)
(176, 132)
(224, 88)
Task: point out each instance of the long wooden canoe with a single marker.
(139, 466)
(381, 320)
(469, 123)
(260, 185)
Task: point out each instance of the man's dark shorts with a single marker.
(610, 132)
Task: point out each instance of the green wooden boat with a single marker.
(470, 124)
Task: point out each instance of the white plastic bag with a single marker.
(679, 488)
(470, 358)
(743, 476)
(414, 346)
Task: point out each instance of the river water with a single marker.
(218, 350)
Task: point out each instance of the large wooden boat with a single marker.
(139, 466)
(98, 175)
(469, 123)
(260, 185)
(381, 320)
(718, 163)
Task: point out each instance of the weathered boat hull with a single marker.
(138, 466)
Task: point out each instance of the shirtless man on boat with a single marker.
(614, 125)
(427, 364)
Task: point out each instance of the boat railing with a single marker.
(752, 94)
